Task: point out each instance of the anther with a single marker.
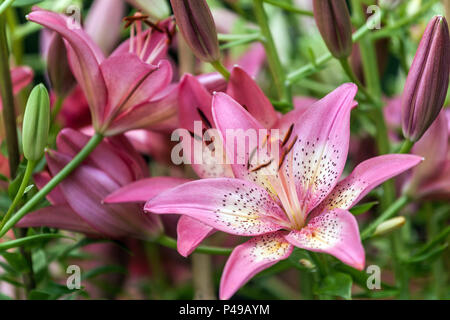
(261, 166)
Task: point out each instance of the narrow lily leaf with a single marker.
(102, 270)
(338, 285)
(429, 255)
(363, 208)
(24, 3)
(27, 240)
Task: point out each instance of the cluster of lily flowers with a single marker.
(283, 189)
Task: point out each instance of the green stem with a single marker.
(241, 42)
(322, 60)
(288, 7)
(348, 70)
(229, 37)
(6, 92)
(68, 169)
(5, 5)
(393, 209)
(387, 30)
(275, 66)
(406, 146)
(20, 192)
(172, 243)
(57, 108)
(221, 69)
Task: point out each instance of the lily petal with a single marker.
(365, 177)
(191, 233)
(84, 57)
(334, 232)
(144, 190)
(105, 157)
(320, 152)
(21, 77)
(131, 81)
(159, 114)
(238, 129)
(193, 99)
(60, 216)
(85, 189)
(250, 258)
(244, 89)
(103, 23)
(231, 205)
(55, 197)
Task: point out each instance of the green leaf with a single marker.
(24, 3)
(38, 295)
(103, 270)
(363, 208)
(429, 255)
(16, 261)
(29, 240)
(337, 284)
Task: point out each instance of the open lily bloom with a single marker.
(128, 90)
(195, 106)
(77, 203)
(297, 201)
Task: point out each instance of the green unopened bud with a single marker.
(36, 124)
(307, 263)
(389, 225)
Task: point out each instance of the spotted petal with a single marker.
(334, 232)
(366, 176)
(250, 258)
(231, 205)
(244, 138)
(320, 152)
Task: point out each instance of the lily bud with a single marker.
(427, 82)
(333, 20)
(196, 23)
(58, 68)
(389, 225)
(36, 124)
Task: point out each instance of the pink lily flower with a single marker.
(302, 205)
(77, 203)
(126, 90)
(195, 105)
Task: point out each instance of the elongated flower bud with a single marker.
(36, 124)
(389, 225)
(196, 23)
(333, 20)
(58, 68)
(427, 82)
